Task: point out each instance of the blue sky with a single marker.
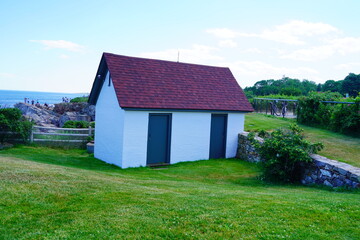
(56, 46)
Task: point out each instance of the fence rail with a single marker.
(282, 107)
(61, 135)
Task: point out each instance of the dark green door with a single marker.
(218, 135)
(159, 135)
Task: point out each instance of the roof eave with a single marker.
(98, 81)
(184, 110)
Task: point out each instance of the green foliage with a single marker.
(280, 96)
(351, 85)
(344, 118)
(13, 125)
(288, 86)
(283, 152)
(331, 86)
(338, 146)
(76, 124)
(290, 91)
(79, 99)
(295, 87)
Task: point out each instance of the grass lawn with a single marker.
(336, 146)
(67, 194)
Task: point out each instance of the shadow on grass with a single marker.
(76, 158)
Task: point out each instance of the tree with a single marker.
(351, 85)
(332, 86)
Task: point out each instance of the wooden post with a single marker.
(32, 135)
(89, 131)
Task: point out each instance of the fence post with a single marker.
(32, 135)
(89, 131)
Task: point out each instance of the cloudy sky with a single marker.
(56, 46)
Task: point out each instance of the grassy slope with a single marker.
(337, 146)
(58, 194)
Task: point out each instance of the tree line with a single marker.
(294, 87)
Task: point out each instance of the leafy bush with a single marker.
(76, 124)
(13, 125)
(344, 118)
(79, 99)
(283, 152)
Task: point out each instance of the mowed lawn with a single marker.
(336, 146)
(67, 194)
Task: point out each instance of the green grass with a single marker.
(67, 194)
(337, 146)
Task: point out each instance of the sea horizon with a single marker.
(8, 98)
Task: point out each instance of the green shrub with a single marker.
(344, 118)
(79, 99)
(13, 125)
(76, 124)
(283, 152)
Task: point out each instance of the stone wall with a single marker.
(331, 173)
(246, 151)
(321, 170)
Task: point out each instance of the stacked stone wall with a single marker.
(321, 170)
(331, 173)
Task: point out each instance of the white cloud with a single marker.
(341, 46)
(229, 43)
(348, 66)
(61, 44)
(63, 56)
(247, 71)
(196, 54)
(346, 45)
(289, 33)
(222, 32)
(252, 50)
(6, 75)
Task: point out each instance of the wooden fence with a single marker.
(61, 135)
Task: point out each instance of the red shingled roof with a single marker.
(156, 84)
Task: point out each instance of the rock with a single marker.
(90, 111)
(319, 163)
(325, 173)
(338, 183)
(39, 115)
(327, 183)
(73, 116)
(62, 108)
(61, 113)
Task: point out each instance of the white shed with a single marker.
(152, 112)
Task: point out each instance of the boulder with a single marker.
(57, 116)
(39, 115)
(73, 116)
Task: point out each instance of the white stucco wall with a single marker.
(190, 136)
(109, 126)
(235, 126)
(135, 138)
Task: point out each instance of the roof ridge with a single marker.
(162, 60)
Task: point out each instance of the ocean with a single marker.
(9, 97)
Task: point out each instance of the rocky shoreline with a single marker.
(56, 116)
